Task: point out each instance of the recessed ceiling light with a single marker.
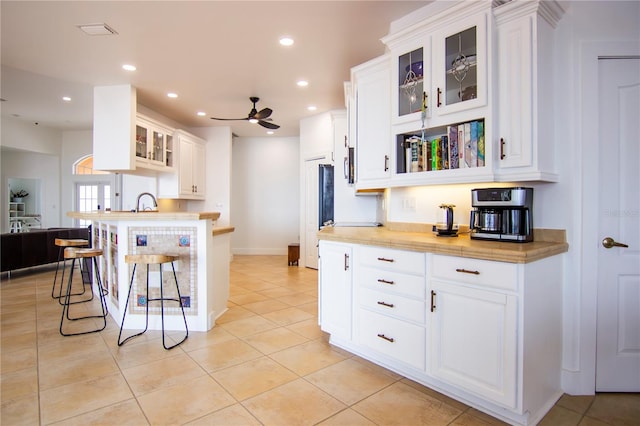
(66, 99)
(172, 95)
(312, 108)
(97, 29)
(302, 83)
(269, 132)
(286, 41)
(202, 113)
(129, 67)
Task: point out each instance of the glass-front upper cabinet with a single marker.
(411, 79)
(157, 153)
(141, 141)
(461, 66)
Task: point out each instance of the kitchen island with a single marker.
(202, 269)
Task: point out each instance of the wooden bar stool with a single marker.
(148, 259)
(63, 243)
(81, 254)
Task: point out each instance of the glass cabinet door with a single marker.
(410, 82)
(158, 147)
(141, 142)
(169, 150)
(461, 81)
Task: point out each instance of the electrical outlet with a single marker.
(409, 204)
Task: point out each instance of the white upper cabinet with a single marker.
(373, 98)
(153, 144)
(525, 90)
(188, 182)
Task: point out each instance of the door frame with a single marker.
(583, 334)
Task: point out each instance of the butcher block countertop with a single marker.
(547, 242)
(144, 215)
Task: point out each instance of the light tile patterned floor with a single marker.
(265, 362)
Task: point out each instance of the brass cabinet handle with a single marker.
(433, 300)
(388, 339)
(388, 305)
(383, 281)
(502, 143)
(466, 271)
(384, 259)
(610, 242)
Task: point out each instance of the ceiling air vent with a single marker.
(97, 29)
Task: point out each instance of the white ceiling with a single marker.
(213, 54)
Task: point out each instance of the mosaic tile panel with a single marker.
(178, 240)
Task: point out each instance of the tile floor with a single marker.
(265, 362)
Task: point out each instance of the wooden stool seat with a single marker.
(153, 259)
(150, 258)
(73, 242)
(80, 253)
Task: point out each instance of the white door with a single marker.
(311, 212)
(92, 196)
(618, 313)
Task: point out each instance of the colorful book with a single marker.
(429, 160)
(473, 144)
(480, 143)
(414, 154)
(461, 150)
(436, 154)
(467, 145)
(444, 144)
(452, 131)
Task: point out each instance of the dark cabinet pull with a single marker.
(502, 143)
(383, 281)
(388, 305)
(466, 271)
(438, 99)
(386, 163)
(346, 262)
(388, 339)
(433, 300)
(384, 259)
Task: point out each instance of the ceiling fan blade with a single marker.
(264, 113)
(268, 125)
(229, 119)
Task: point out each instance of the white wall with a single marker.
(265, 194)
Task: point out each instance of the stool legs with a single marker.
(162, 299)
(60, 296)
(67, 303)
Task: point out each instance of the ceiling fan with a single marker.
(256, 116)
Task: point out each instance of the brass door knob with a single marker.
(609, 242)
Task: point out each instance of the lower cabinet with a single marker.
(486, 333)
(336, 301)
(473, 340)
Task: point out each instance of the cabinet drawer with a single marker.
(391, 304)
(475, 271)
(409, 262)
(381, 279)
(395, 338)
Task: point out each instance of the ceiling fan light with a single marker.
(253, 120)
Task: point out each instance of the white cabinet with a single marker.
(525, 90)
(390, 302)
(188, 181)
(153, 144)
(473, 336)
(335, 279)
(441, 118)
(371, 91)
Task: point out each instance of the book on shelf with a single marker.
(415, 156)
(444, 143)
(454, 160)
(473, 144)
(480, 143)
(461, 150)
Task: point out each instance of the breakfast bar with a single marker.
(202, 268)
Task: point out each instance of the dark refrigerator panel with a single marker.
(325, 202)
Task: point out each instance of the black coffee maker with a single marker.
(502, 214)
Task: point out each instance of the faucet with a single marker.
(155, 203)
